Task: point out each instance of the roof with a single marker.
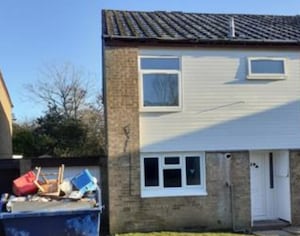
(163, 26)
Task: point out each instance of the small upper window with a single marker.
(160, 83)
(266, 68)
(154, 63)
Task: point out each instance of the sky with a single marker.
(39, 32)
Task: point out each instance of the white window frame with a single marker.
(185, 190)
(159, 71)
(267, 76)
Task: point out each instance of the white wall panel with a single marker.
(224, 111)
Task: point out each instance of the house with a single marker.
(203, 120)
(5, 121)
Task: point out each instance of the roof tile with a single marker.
(160, 25)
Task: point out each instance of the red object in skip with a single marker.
(25, 184)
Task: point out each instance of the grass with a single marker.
(179, 234)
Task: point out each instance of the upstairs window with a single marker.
(160, 83)
(266, 68)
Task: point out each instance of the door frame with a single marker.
(270, 193)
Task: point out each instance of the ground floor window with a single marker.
(173, 174)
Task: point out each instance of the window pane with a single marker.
(192, 170)
(151, 171)
(171, 160)
(267, 67)
(160, 89)
(172, 178)
(160, 63)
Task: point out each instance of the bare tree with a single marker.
(93, 118)
(60, 86)
(65, 92)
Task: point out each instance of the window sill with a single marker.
(160, 109)
(174, 192)
(266, 77)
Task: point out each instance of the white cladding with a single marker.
(222, 110)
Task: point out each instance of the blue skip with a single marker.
(83, 222)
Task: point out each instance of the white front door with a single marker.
(270, 185)
(258, 173)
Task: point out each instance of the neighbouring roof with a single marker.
(160, 26)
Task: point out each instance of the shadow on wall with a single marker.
(5, 135)
(270, 129)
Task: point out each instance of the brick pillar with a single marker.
(122, 117)
(240, 176)
(295, 186)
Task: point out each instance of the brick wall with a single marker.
(295, 186)
(5, 133)
(122, 119)
(5, 121)
(240, 175)
(127, 210)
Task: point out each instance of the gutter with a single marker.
(226, 41)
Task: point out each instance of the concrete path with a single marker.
(288, 231)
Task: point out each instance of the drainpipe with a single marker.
(232, 207)
(126, 130)
(227, 157)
